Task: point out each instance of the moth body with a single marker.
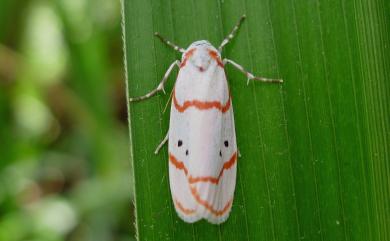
(202, 169)
(202, 145)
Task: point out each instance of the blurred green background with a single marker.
(64, 156)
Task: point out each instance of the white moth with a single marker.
(202, 139)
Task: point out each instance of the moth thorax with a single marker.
(200, 54)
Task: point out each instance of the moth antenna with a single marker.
(169, 43)
(231, 35)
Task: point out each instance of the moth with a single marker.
(201, 138)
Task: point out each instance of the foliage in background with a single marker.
(64, 170)
(315, 150)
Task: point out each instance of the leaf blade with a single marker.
(297, 140)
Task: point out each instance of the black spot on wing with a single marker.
(226, 143)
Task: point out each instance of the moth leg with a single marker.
(162, 143)
(160, 86)
(169, 99)
(249, 75)
(169, 43)
(231, 35)
(238, 152)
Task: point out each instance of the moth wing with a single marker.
(185, 205)
(220, 195)
(202, 169)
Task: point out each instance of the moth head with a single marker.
(200, 55)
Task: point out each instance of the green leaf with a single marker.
(315, 150)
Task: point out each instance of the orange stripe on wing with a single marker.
(178, 164)
(214, 180)
(186, 211)
(201, 105)
(209, 207)
(187, 55)
(214, 55)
